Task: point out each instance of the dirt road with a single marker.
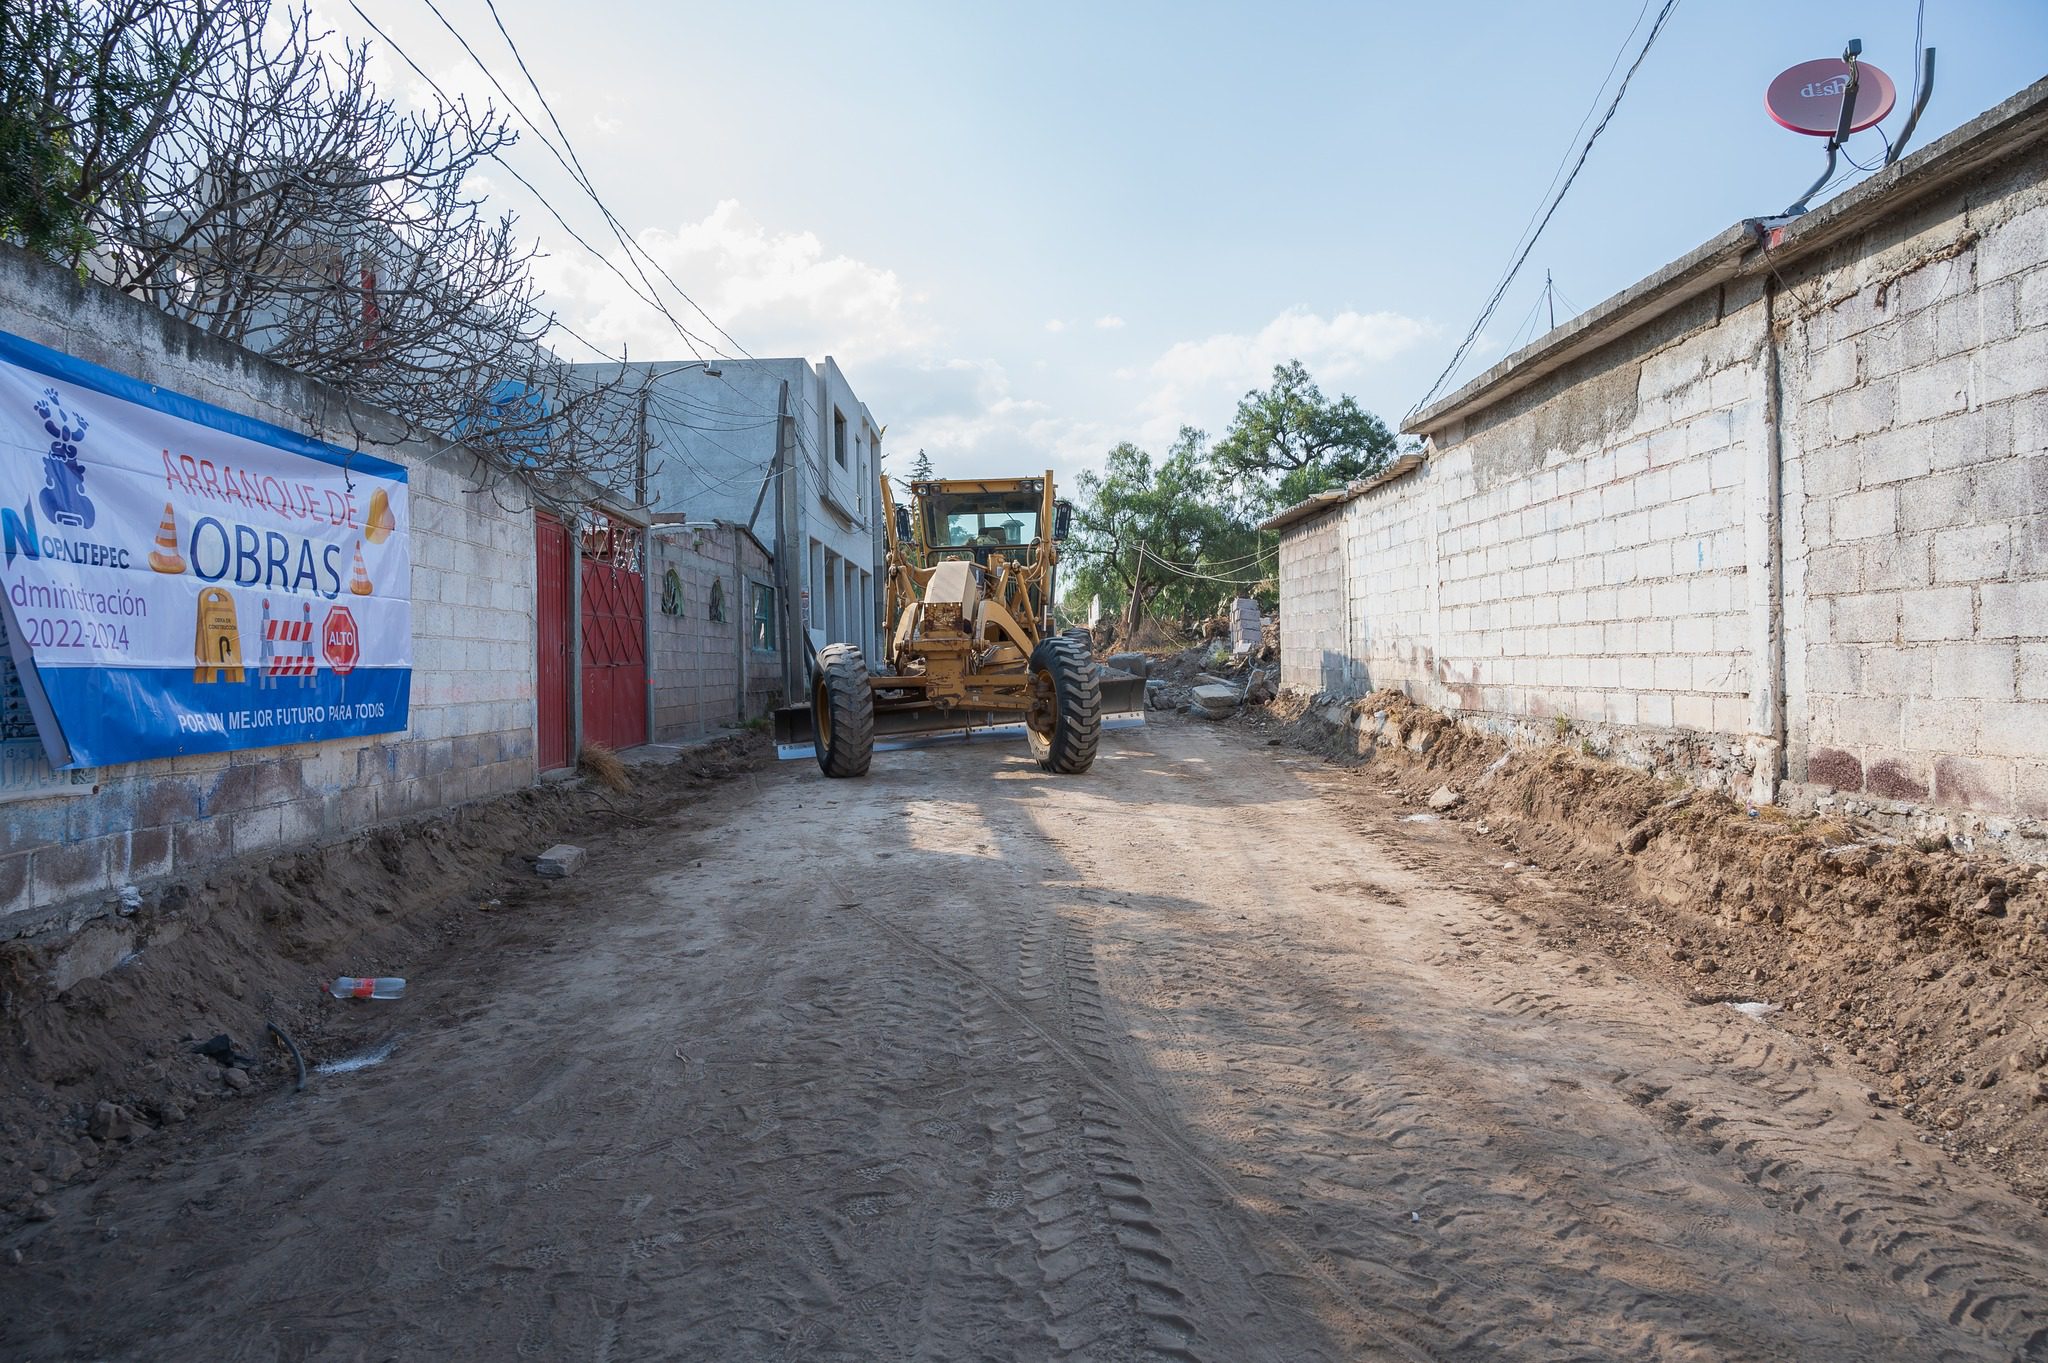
(1207, 1055)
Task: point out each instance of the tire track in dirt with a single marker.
(1423, 1103)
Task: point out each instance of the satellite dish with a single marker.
(1808, 97)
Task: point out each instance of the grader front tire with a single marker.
(843, 711)
(1065, 722)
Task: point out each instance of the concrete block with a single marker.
(2033, 659)
(2009, 489)
(2016, 729)
(1835, 570)
(2018, 245)
(1862, 719)
(1831, 369)
(1832, 669)
(1890, 456)
(1859, 515)
(1984, 783)
(1866, 619)
(1888, 670)
(69, 870)
(1831, 468)
(1941, 500)
(1861, 411)
(1898, 562)
(2014, 610)
(1693, 712)
(1934, 614)
(1934, 390)
(1975, 671)
(1942, 726)
(1972, 553)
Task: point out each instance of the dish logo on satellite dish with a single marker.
(1827, 89)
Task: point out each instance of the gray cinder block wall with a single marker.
(471, 728)
(699, 661)
(1775, 518)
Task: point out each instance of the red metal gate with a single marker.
(614, 636)
(551, 633)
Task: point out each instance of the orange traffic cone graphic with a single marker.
(359, 580)
(164, 558)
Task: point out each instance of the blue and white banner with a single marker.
(178, 578)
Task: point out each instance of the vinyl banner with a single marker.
(178, 578)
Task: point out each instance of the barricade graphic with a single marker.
(301, 664)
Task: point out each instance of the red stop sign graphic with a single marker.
(339, 641)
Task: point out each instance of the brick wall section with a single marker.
(472, 718)
(1921, 390)
(697, 659)
(1597, 545)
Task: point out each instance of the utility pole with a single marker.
(795, 644)
(648, 561)
(1550, 297)
(640, 444)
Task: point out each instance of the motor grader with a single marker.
(969, 644)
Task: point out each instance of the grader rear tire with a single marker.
(1065, 720)
(843, 711)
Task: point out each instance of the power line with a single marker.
(575, 172)
(1486, 313)
(592, 189)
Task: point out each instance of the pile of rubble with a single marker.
(1206, 682)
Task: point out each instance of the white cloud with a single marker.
(778, 293)
(1055, 325)
(1198, 383)
(968, 416)
(605, 124)
(1108, 323)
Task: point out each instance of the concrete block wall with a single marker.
(1917, 394)
(1313, 646)
(1780, 527)
(471, 731)
(1584, 555)
(1592, 547)
(697, 659)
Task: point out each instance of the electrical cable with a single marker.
(652, 297)
(1619, 52)
(592, 189)
(1586, 150)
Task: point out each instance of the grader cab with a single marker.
(969, 643)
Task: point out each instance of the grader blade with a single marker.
(899, 727)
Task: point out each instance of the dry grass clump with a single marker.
(602, 765)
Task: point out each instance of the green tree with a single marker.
(1160, 539)
(85, 90)
(921, 467)
(1289, 442)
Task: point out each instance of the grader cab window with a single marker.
(982, 522)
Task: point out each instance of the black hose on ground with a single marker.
(285, 1038)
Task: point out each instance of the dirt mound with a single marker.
(1919, 963)
(109, 1015)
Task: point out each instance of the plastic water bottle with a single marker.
(383, 987)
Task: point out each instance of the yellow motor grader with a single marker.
(970, 645)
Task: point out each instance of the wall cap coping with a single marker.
(1337, 496)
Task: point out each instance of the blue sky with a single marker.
(1028, 232)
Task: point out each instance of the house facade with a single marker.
(785, 451)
